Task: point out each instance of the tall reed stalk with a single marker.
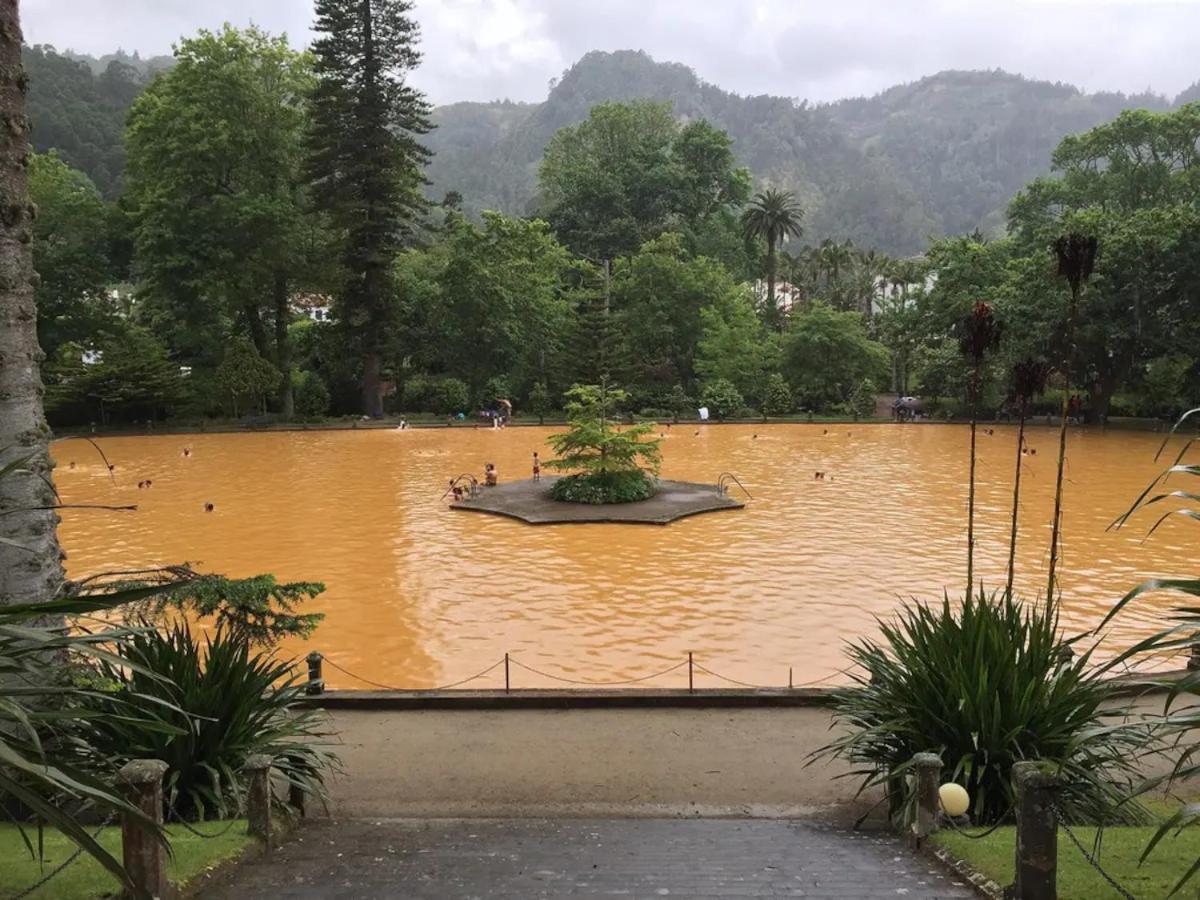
(1028, 380)
(1076, 255)
(978, 333)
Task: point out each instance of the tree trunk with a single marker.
(283, 346)
(258, 334)
(1101, 392)
(372, 385)
(773, 316)
(33, 571)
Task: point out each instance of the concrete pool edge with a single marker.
(638, 698)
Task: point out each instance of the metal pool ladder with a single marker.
(728, 478)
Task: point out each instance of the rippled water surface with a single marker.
(419, 595)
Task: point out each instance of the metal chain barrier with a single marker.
(508, 659)
(387, 687)
(1113, 883)
(678, 665)
(61, 867)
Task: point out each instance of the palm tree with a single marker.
(774, 216)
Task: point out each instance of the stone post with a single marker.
(1037, 832)
(316, 681)
(258, 797)
(143, 852)
(928, 767)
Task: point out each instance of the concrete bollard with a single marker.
(258, 797)
(925, 799)
(143, 853)
(316, 682)
(1037, 832)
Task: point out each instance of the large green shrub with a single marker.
(214, 703)
(722, 398)
(444, 396)
(777, 396)
(985, 684)
(311, 396)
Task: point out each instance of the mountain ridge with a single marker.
(943, 154)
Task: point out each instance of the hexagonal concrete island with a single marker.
(530, 501)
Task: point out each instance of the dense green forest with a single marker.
(224, 236)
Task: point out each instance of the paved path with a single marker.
(533, 859)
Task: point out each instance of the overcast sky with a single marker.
(815, 49)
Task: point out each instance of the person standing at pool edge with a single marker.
(537, 467)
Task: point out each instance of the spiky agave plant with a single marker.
(1076, 255)
(1029, 378)
(1180, 721)
(218, 702)
(986, 683)
(978, 333)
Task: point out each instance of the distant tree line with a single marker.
(263, 182)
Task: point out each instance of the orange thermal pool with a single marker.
(420, 596)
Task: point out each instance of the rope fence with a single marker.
(316, 684)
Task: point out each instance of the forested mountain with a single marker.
(942, 155)
(80, 112)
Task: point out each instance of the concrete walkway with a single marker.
(534, 859)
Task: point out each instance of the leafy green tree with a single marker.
(722, 398)
(1131, 183)
(630, 172)
(827, 353)
(772, 216)
(661, 293)
(777, 396)
(70, 253)
(735, 347)
(364, 162)
(214, 176)
(611, 462)
(539, 401)
(502, 310)
(245, 377)
(133, 379)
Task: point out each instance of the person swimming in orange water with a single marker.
(208, 507)
(187, 451)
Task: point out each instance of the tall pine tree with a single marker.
(365, 161)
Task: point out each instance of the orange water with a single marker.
(419, 595)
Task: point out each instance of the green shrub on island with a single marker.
(609, 464)
(615, 487)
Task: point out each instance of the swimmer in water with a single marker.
(208, 507)
(187, 451)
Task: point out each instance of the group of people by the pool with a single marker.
(491, 478)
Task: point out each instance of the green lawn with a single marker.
(1120, 850)
(85, 878)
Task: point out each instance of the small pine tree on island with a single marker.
(609, 464)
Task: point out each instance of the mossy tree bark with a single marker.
(30, 558)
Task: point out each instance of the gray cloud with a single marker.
(486, 49)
